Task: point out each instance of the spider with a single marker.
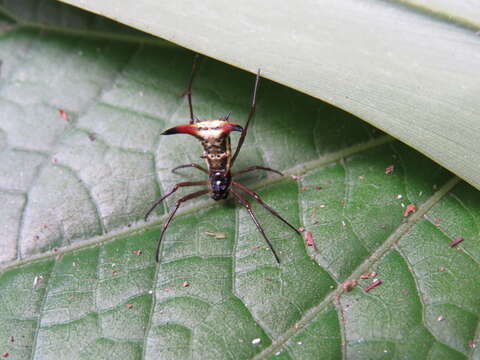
(214, 136)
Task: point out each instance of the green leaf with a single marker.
(406, 67)
(78, 277)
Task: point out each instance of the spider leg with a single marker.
(172, 213)
(191, 165)
(189, 90)
(175, 188)
(245, 203)
(252, 168)
(250, 116)
(257, 197)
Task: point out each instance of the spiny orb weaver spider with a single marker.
(215, 138)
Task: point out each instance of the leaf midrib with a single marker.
(297, 170)
(394, 237)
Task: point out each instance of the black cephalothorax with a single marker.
(215, 138)
(220, 182)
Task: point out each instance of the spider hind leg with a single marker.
(259, 199)
(196, 166)
(175, 188)
(253, 168)
(172, 214)
(245, 203)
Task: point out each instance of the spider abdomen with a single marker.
(220, 184)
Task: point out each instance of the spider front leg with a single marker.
(172, 214)
(253, 168)
(196, 166)
(257, 197)
(193, 118)
(250, 116)
(245, 203)
(175, 188)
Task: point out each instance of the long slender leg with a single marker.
(257, 197)
(191, 165)
(189, 90)
(175, 188)
(250, 116)
(172, 213)
(252, 168)
(245, 203)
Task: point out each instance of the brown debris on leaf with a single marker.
(63, 114)
(349, 285)
(216, 235)
(411, 208)
(457, 241)
(389, 169)
(309, 239)
(372, 285)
